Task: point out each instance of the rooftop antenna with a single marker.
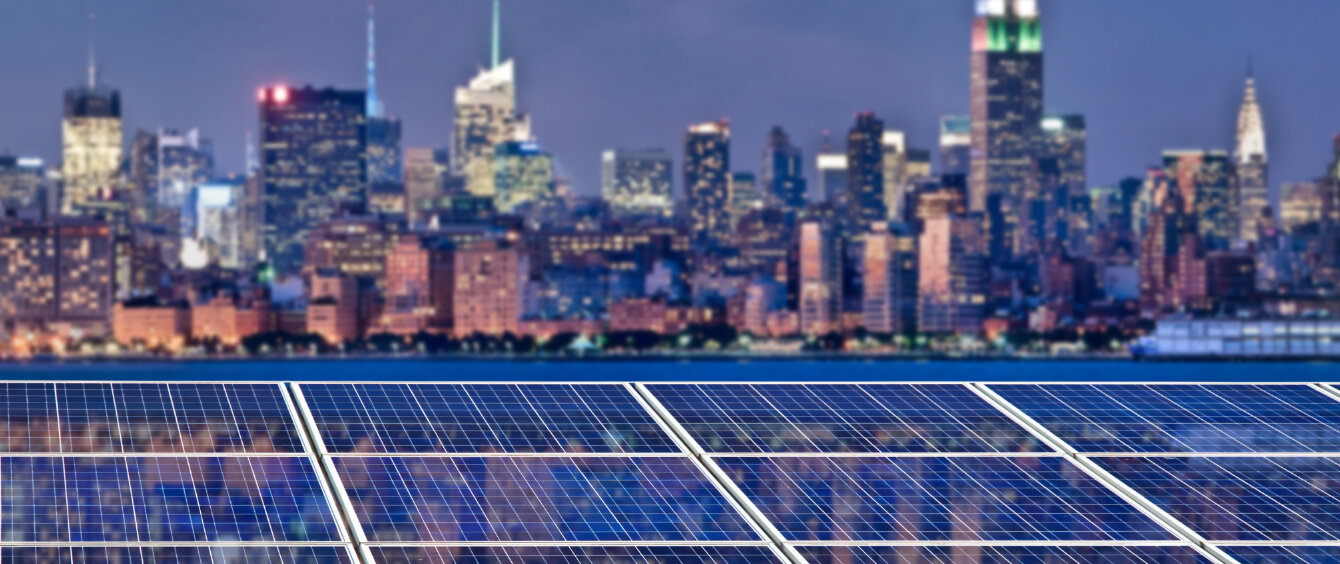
(497, 30)
(374, 108)
(92, 54)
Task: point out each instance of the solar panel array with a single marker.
(669, 473)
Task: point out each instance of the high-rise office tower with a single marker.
(889, 282)
(865, 170)
(744, 194)
(1204, 182)
(1065, 139)
(638, 182)
(893, 145)
(22, 186)
(523, 174)
(384, 158)
(952, 274)
(832, 172)
(185, 161)
(422, 182)
(314, 157)
(485, 117)
(90, 142)
(820, 279)
(707, 182)
(1006, 110)
(1251, 164)
(781, 173)
(956, 145)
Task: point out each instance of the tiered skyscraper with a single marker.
(90, 142)
(485, 117)
(1006, 104)
(1250, 159)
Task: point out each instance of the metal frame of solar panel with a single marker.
(1186, 484)
(160, 471)
(458, 454)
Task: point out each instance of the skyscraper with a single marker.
(893, 145)
(956, 145)
(90, 142)
(523, 174)
(832, 171)
(1006, 104)
(744, 195)
(314, 156)
(638, 182)
(1204, 182)
(781, 177)
(486, 116)
(384, 157)
(422, 183)
(185, 161)
(707, 182)
(1249, 157)
(865, 170)
(889, 282)
(820, 279)
(1065, 138)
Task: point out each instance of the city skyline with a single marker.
(1195, 106)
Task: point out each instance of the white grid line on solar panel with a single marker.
(1286, 498)
(570, 554)
(184, 500)
(526, 499)
(130, 418)
(857, 554)
(479, 418)
(1140, 418)
(238, 554)
(838, 418)
(783, 489)
(1284, 554)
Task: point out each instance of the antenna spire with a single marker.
(497, 30)
(92, 53)
(374, 108)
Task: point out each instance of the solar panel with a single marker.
(176, 554)
(440, 499)
(1241, 498)
(163, 499)
(831, 554)
(472, 418)
(1182, 418)
(131, 418)
(1284, 554)
(574, 555)
(825, 418)
(924, 499)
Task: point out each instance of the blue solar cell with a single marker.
(574, 555)
(1182, 418)
(533, 499)
(1241, 498)
(176, 555)
(987, 499)
(466, 418)
(824, 418)
(830, 554)
(1284, 554)
(163, 499)
(129, 418)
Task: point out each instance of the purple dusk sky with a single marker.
(596, 74)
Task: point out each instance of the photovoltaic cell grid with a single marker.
(574, 555)
(476, 418)
(1001, 555)
(834, 418)
(440, 499)
(1252, 499)
(1182, 418)
(932, 499)
(75, 499)
(1284, 554)
(176, 555)
(132, 418)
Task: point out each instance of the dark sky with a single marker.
(595, 74)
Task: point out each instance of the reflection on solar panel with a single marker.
(740, 418)
(1182, 418)
(447, 418)
(128, 418)
(524, 499)
(176, 555)
(1241, 499)
(867, 499)
(1001, 555)
(1284, 554)
(575, 555)
(163, 499)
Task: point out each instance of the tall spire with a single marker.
(374, 108)
(497, 32)
(92, 54)
(1251, 139)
